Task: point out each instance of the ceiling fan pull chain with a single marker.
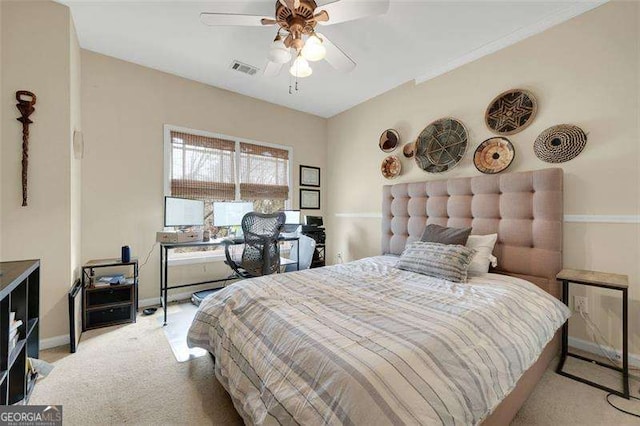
(290, 83)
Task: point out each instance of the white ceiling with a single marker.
(414, 39)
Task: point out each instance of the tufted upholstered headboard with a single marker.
(525, 209)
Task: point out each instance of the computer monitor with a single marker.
(183, 212)
(293, 217)
(230, 213)
(293, 220)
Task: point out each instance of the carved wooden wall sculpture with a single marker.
(26, 101)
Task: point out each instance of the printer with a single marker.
(314, 228)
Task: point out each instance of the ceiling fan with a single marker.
(296, 21)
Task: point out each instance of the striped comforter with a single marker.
(365, 343)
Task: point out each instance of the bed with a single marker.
(367, 343)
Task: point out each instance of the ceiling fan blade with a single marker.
(349, 10)
(321, 16)
(231, 19)
(336, 57)
(267, 21)
(292, 5)
(272, 69)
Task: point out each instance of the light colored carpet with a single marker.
(129, 374)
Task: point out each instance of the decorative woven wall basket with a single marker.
(560, 143)
(511, 112)
(389, 140)
(409, 150)
(391, 167)
(441, 145)
(494, 155)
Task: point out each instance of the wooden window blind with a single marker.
(202, 167)
(264, 172)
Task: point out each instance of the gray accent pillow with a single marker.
(443, 235)
(446, 261)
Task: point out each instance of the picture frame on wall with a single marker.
(310, 176)
(309, 199)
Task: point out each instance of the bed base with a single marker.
(505, 412)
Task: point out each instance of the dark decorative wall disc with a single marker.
(441, 145)
(560, 143)
(511, 112)
(389, 140)
(409, 149)
(494, 155)
(391, 167)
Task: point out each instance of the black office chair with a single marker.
(261, 253)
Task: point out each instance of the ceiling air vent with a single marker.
(244, 68)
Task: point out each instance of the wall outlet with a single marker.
(339, 258)
(580, 304)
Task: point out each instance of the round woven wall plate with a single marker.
(560, 143)
(389, 140)
(409, 149)
(441, 145)
(391, 167)
(511, 112)
(494, 155)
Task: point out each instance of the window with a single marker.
(202, 168)
(212, 168)
(264, 176)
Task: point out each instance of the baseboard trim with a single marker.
(155, 301)
(587, 346)
(584, 345)
(54, 342)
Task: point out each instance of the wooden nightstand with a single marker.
(601, 280)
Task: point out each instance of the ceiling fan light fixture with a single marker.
(279, 53)
(313, 49)
(300, 68)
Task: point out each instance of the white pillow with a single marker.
(483, 245)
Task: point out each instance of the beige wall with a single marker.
(75, 157)
(36, 49)
(584, 71)
(115, 197)
(124, 109)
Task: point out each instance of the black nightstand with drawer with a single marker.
(104, 306)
